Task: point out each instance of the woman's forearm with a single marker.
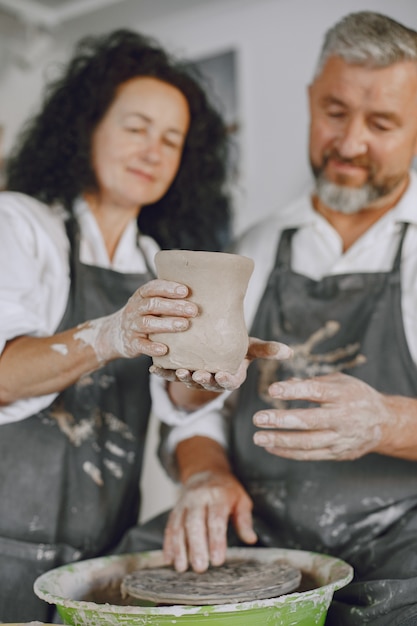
(34, 366)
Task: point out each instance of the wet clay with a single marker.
(217, 339)
(111, 593)
(238, 580)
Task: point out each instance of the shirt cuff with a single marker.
(168, 413)
(23, 409)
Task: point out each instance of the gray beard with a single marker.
(347, 200)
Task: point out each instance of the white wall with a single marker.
(277, 43)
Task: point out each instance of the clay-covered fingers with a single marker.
(190, 545)
(163, 289)
(257, 349)
(180, 375)
(196, 533)
(260, 349)
(186, 376)
(330, 388)
(208, 381)
(346, 419)
(299, 445)
(160, 306)
(157, 306)
(175, 545)
(242, 518)
(319, 389)
(217, 522)
(193, 380)
(186, 535)
(161, 372)
(200, 379)
(226, 381)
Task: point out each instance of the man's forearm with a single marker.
(201, 454)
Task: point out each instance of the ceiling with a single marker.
(51, 13)
(29, 29)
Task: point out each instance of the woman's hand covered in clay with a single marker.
(224, 381)
(196, 533)
(351, 420)
(157, 306)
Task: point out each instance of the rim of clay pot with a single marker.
(47, 586)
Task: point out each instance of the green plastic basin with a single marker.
(87, 593)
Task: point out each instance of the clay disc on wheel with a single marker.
(238, 580)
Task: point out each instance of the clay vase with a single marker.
(217, 339)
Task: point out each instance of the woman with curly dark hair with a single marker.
(53, 163)
(126, 156)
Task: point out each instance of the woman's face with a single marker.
(137, 146)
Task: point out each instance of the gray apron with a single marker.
(364, 511)
(69, 486)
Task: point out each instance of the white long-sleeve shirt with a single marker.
(34, 272)
(317, 251)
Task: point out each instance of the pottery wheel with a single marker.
(237, 580)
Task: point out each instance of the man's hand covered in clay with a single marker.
(196, 533)
(351, 419)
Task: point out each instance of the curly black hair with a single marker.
(52, 158)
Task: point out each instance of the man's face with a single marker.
(363, 133)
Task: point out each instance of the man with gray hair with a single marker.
(323, 447)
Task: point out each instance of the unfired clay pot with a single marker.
(217, 339)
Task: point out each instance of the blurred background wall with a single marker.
(274, 45)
